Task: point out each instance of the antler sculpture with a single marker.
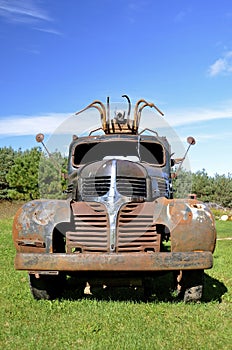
(101, 110)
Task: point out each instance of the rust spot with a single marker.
(42, 217)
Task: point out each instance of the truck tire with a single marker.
(189, 285)
(46, 287)
(147, 288)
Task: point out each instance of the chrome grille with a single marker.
(126, 186)
(131, 186)
(136, 231)
(91, 229)
(162, 186)
(98, 185)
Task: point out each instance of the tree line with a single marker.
(214, 189)
(31, 174)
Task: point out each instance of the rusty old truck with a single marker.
(120, 222)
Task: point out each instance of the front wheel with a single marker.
(189, 285)
(46, 287)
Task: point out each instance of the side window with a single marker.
(152, 152)
(83, 153)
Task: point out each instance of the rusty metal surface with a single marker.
(189, 222)
(114, 261)
(34, 223)
(136, 229)
(195, 226)
(91, 228)
(120, 123)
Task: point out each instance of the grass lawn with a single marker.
(121, 321)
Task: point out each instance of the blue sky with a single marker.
(59, 55)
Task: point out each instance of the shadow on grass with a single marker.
(213, 289)
(160, 290)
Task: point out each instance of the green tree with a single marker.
(217, 189)
(52, 175)
(7, 159)
(182, 184)
(23, 175)
(202, 186)
(222, 187)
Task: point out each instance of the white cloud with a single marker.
(31, 125)
(51, 123)
(22, 11)
(48, 30)
(215, 137)
(67, 123)
(194, 115)
(27, 12)
(222, 65)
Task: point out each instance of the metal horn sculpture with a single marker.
(137, 111)
(101, 110)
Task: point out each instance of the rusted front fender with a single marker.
(190, 222)
(34, 223)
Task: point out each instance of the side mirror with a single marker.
(191, 141)
(39, 137)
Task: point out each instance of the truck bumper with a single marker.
(114, 262)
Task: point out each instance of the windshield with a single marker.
(150, 152)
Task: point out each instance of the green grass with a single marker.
(124, 322)
(224, 229)
(8, 209)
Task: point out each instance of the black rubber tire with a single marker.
(46, 287)
(147, 288)
(189, 285)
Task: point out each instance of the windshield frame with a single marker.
(139, 143)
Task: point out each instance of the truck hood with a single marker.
(124, 168)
